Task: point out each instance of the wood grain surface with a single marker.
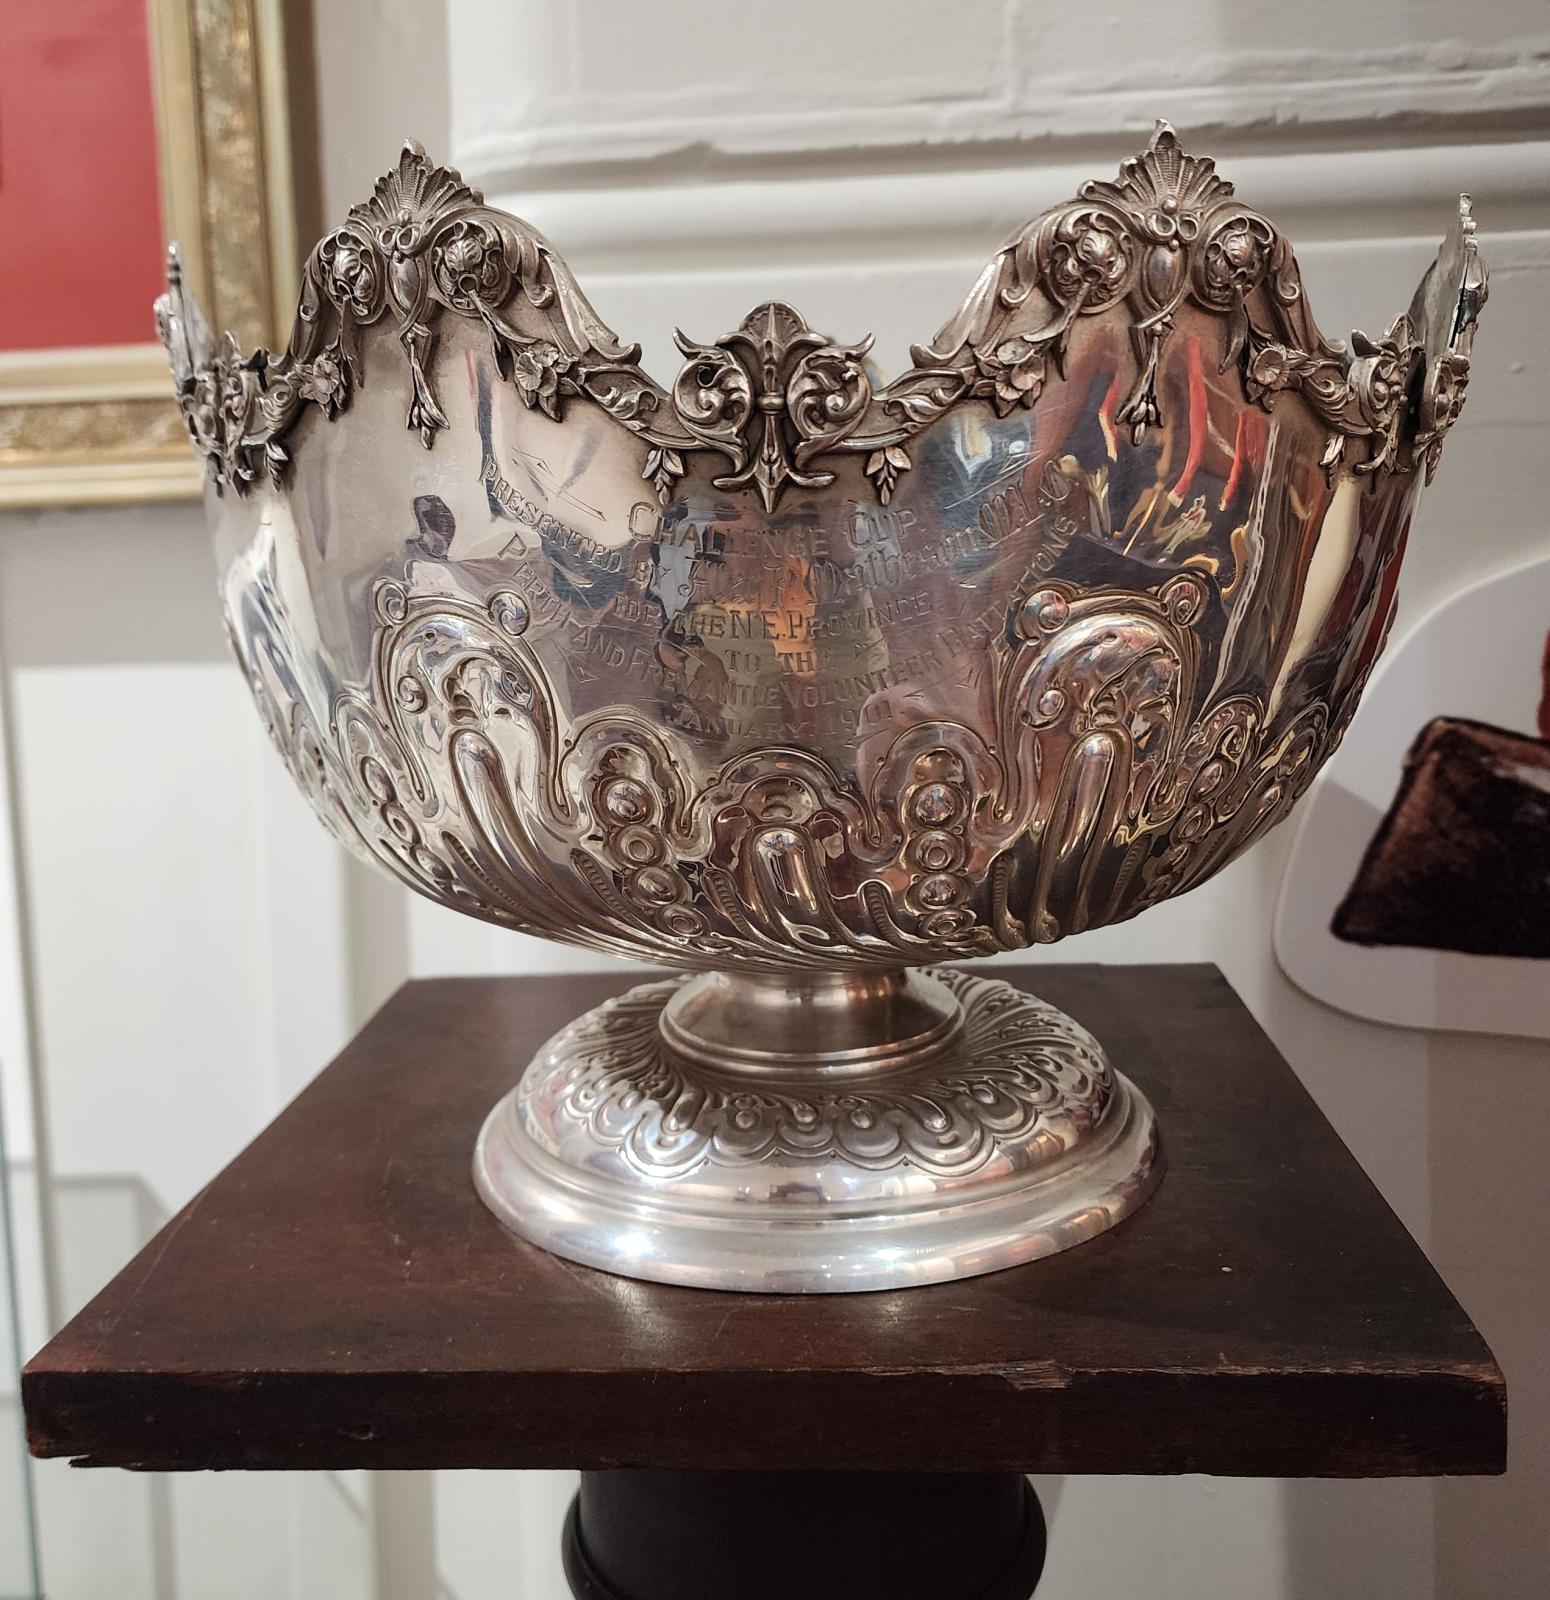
(338, 1297)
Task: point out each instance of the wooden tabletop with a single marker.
(338, 1297)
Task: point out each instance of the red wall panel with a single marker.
(80, 209)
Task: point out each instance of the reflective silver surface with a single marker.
(1000, 1137)
(803, 678)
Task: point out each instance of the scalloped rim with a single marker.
(776, 402)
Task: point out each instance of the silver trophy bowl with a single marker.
(799, 681)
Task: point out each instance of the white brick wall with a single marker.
(540, 83)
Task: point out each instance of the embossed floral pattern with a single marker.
(1269, 370)
(470, 268)
(1442, 399)
(765, 860)
(324, 380)
(351, 275)
(779, 402)
(1025, 1064)
(1090, 258)
(538, 370)
(1015, 373)
(1234, 261)
(1378, 379)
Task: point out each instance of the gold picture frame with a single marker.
(99, 425)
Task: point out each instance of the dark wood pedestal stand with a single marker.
(339, 1298)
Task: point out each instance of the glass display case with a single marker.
(19, 1568)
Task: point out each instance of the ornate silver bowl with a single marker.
(801, 681)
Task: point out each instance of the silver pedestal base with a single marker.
(953, 1125)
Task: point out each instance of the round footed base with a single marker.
(1009, 1138)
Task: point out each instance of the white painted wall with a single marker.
(180, 948)
(690, 159)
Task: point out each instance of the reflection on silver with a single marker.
(799, 679)
(1003, 1137)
